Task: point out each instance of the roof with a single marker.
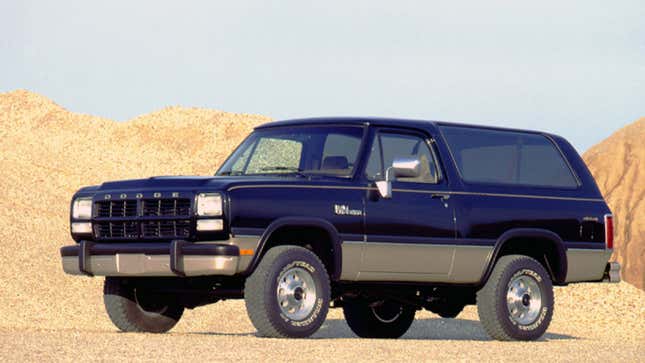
(383, 121)
(355, 120)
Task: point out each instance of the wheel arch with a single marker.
(333, 262)
(547, 247)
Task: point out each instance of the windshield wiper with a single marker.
(290, 169)
(231, 173)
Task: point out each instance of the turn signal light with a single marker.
(82, 228)
(210, 225)
(609, 231)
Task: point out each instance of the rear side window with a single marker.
(506, 157)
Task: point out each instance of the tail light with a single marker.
(609, 231)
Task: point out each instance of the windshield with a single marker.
(297, 150)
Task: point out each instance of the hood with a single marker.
(191, 183)
(158, 182)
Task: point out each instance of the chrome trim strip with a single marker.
(295, 186)
(528, 196)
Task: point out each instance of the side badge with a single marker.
(344, 210)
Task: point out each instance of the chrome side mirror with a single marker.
(401, 167)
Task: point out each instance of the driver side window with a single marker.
(389, 146)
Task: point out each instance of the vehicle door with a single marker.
(410, 236)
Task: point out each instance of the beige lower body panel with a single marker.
(134, 264)
(371, 261)
(248, 246)
(352, 259)
(586, 265)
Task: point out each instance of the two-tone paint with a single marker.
(449, 232)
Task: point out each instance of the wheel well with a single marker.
(315, 239)
(544, 250)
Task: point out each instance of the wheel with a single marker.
(134, 309)
(516, 303)
(447, 308)
(383, 319)
(287, 296)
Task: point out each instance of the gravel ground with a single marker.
(592, 322)
(421, 345)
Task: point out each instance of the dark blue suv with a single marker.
(381, 217)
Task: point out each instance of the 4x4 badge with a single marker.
(344, 210)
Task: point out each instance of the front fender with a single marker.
(301, 222)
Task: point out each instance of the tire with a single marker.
(288, 294)
(516, 303)
(390, 320)
(447, 309)
(136, 310)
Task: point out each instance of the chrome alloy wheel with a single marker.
(296, 293)
(524, 299)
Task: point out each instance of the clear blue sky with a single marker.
(576, 68)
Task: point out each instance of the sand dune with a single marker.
(618, 164)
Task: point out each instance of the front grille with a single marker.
(165, 207)
(160, 218)
(116, 208)
(116, 230)
(165, 229)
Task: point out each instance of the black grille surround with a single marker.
(142, 219)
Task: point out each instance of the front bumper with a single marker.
(176, 258)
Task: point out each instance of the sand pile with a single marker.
(618, 164)
(47, 152)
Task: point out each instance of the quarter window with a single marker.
(389, 146)
(506, 157)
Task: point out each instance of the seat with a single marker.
(335, 162)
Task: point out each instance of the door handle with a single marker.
(440, 196)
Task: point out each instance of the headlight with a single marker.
(82, 208)
(209, 205)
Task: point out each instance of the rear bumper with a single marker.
(176, 258)
(612, 272)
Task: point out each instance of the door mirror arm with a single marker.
(385, 186)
